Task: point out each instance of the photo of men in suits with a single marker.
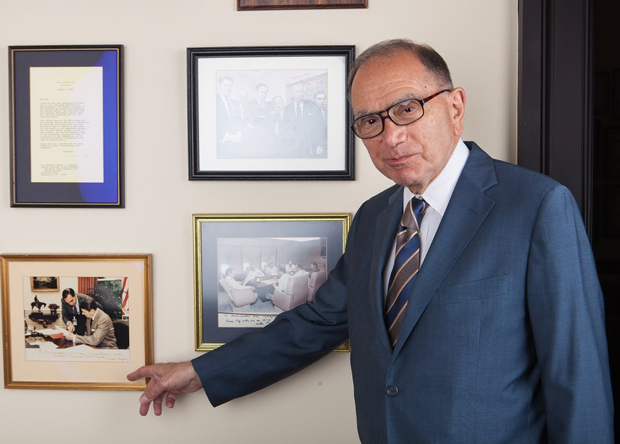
(228, 116)
(72, 314)
(303, 123)
(499, 330)
(271, 114)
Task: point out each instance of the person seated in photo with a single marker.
(253, 273)
(235, 285)
(290, 267)
(271, 269)
(314, 268)
(100, 333)
(299, 270)
(283, 278)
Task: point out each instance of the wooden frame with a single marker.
(37, 352)
(249, 5)
(225, 242)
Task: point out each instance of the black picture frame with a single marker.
(234, 135)
(224, 242)
(66, 126)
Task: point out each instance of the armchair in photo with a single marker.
(239, 297)
(296, 293)
(317, 279)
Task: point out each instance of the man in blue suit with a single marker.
(502, 338)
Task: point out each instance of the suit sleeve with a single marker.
(65, 312)
(294, 340)
(565, 304)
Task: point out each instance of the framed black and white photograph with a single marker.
(87, 334)
(250, 268)
(66, 126)
(270, 113)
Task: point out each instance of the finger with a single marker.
(171, 399)
(144, 409)
(157, 405)
(154, 390)
(142, 372)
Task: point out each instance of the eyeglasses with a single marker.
(403, 113)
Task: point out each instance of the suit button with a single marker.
(392, 391)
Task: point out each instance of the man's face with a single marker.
(278, 103)
(262, 93)
(320, 100)
(71, 300)
(89, 313)
(411, 155)
(298, 92)
(225, 87)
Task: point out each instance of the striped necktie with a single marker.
(406, 266)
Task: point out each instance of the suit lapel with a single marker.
(467, 210)
(385, 230)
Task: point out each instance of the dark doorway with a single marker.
(569, 126)
(606, 175)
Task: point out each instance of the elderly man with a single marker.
(468, 290)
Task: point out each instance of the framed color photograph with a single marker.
(66, 126)
(243, 5)
(250, 268)
(270, 113)
(88, 333)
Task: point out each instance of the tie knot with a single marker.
(413, 213)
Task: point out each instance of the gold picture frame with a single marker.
(38, 352)
(239, 242)
(245, 5)
(44, 283)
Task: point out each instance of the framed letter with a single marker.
(65, 113)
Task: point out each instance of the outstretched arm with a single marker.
(166, 380)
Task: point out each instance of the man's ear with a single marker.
(457, 110)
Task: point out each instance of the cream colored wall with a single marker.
(477, 38)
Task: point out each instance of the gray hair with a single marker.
(430, 58)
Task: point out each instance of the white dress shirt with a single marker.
(437, 195)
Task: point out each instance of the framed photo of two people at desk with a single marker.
(248, 268)
(270, 113)
(84, 333)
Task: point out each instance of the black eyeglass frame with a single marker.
(389, 116)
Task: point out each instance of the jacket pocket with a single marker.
(471, 291)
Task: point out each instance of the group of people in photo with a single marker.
(266, 281)
(261, 125)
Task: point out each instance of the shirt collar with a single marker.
(439, 191)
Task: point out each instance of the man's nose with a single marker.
(393, 134)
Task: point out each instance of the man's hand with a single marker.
(167, 380)
(70, 326)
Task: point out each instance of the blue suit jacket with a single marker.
(504, 337)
